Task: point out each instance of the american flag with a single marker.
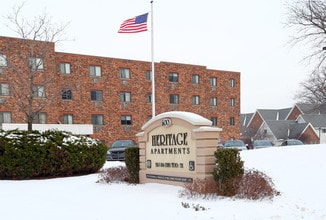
(134, 25)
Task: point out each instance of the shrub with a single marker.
(228, 172)
(199, 188)
(25, 155)
(114, 175)
(132, 163)
(256, 185)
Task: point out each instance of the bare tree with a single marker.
(308, 19)
(30, 63)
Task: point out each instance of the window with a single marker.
(231, 83)
(126, 120)
(36, 63)
(173, 77)
(195, 79)
(95, 71)
(149, 75)
(149, 98)
(4, 89)
(39, 91)
(232, 102)
(68, 119)
(195, 100)
(212, 81)
(97, 119)
(214, 121)
(65, 68)
(174, 99)
(3, 60)
(125, 96)
(40, 118)
(66, 94)
(213, 101)
(232, 121)
(5, 117)
(96, 95)
(124, 73)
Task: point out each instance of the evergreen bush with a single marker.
(51, 153)
(132, 163)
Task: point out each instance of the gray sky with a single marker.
(236, 35)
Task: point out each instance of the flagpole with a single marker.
(152, 57)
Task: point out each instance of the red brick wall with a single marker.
(80, 82)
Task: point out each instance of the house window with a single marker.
(214, 121)
(126, 120)
(149, 75)
(4, 89)
(95, 71)
(66, 94)
(232, 121)
(173, 77)
(195, 79)
(36, 63)
(231, 83)
(195, 100)
(232, 102)
(39, 91)
(68, 119)
(125, 96)
(174, 99)
(65, 68)
(124, 73)
(3, 60)
(96, 95)
(97, 119)
(213, 81)
(5, 117)
(40, 118)
(149, 98)
(213, 101)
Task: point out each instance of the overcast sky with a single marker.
(236, 35)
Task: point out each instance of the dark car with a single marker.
(258, 144)
(237, 144)
(117, 149)
(291, 142)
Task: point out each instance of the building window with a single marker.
(213, 101)
(232, 102)
(36, 63)
(124, 73)
(125, 96)
(40, 118)
(68, 119)
(232, 121)
(149, 75)
(5, 117)
(39, 91)
(174, 99)
(95, 71)
(4, 89)
(231, 83)
(195, 79)
(65, 68)
(195, 100)
(214, 121)
(66, 94)
(173, 77)
(3, 60)
(97, 119)
(213, 81)
(96, 95)
(126, 120)
(149, 98)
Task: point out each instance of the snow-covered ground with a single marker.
(299, 173)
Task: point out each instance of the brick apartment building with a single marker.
(115, 94)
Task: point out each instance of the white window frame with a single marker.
(36, 63)
(232, 83)
(232, 102)
(5, 117)
(174, 99)
(98, 95)
(67, 119)
(40, 118)
(124, 73)
(65, 68)
(173, 77)
(149, 97)
(213, 81)
(4, 89)
(125, 96)
(195, 79)
(195, 100)
(97, 119)
(3, 60)
(213, 101)
(149, 75)
(39, 91)
(95, 70)
(126, 120)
